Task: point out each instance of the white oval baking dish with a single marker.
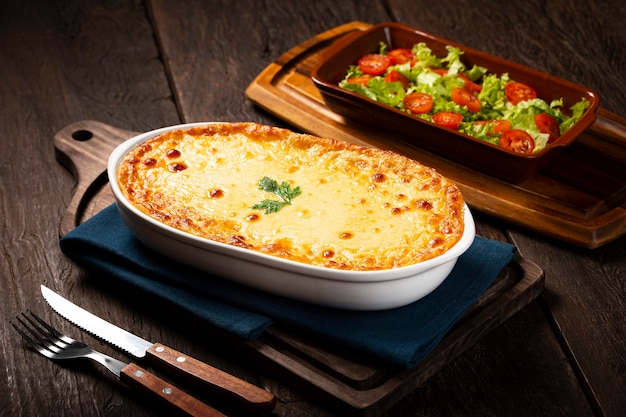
(353, 290)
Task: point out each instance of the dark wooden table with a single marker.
(139, 65)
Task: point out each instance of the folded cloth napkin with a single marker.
(402, 336)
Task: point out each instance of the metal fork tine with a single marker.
(54, 345)
(39, 333)
(25, 336)
(50, 332)
(38, 337)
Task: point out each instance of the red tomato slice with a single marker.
(548, 124)
(374, 64)
(448, 119)
(395, 76)
(497, 126)
(470, 85)
(400, 56)
(464, 97)
(518, 141)
(516, 92)
(363, 80)
(418, 103)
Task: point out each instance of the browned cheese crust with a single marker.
(359, 209)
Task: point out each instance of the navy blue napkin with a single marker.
(402, 336)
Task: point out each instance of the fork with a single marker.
(57, 346)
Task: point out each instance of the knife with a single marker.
(169, 360)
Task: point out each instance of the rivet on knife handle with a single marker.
(212, 379)
(153, 386)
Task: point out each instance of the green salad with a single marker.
(490, 107)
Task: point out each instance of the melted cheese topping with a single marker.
(360, 208)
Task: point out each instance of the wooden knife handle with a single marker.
(157, 389)
(211, 379)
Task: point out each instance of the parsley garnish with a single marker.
(283, 191)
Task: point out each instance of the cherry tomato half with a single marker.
(363, 80)
(464, 97)
(448, 119)
(418, 103)
(470, 85)
(395, 76)
(496, 126)
(518, 141)
(548, 124)
(516, 92)
(400, 56)
(374, 64)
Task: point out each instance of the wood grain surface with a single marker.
(140, 65)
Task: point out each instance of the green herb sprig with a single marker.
(283, 191)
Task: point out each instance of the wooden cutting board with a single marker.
(347, 384)
(580, 198)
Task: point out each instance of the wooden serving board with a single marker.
(349, 385)
(580, 198)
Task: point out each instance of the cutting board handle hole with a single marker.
(82, 135)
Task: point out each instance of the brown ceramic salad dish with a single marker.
(338, 68)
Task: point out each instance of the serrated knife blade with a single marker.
(167, 359)
(120, 338)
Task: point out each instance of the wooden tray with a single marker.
(347, 384)
(580, 199)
